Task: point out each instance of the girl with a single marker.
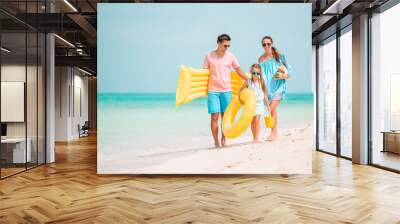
(275, 71)
(257, 84)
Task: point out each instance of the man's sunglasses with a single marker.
(256, 73)
(265, 44)
(226, 46)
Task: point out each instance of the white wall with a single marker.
(11, 73)
(16, 72)
(33, 127)
(71, 94)
(62, 82)
(80, 105)
(12, 101)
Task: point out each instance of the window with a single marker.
(22, 87)
(327, 96)
(385, 89)
(346, 93)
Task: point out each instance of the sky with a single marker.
(141, 46)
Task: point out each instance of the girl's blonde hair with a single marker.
(253, 66)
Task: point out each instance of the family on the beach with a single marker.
(268, 81)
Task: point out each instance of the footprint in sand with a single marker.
(232, 165)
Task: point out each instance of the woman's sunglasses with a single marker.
(256, 73)
(266, 44)
(226, 46)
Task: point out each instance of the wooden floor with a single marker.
(387, 159)
(70, 191)
(5, 172)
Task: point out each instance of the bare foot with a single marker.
(223, 141)
(255, 141)
(271, 138)
(216, 144)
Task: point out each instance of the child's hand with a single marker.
(266, 102)
(241, 101)
(269, 108)
(246, 83)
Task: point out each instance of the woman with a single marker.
(275, 71)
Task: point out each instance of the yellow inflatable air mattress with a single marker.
(193, 84)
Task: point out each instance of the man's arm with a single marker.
(241, 73)
(236, 66)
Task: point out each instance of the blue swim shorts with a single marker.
(218, 101)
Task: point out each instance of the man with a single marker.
(220, 63)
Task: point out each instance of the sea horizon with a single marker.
(121, 97)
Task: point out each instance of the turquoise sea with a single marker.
(147, 120)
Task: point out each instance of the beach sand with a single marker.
(291, 153)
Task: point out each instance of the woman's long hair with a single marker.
(275, 52)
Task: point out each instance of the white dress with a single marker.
(256, 87)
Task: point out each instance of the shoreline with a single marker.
(289, 154)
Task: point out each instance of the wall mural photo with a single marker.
(204, 89)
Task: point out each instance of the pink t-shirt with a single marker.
(220, 68)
